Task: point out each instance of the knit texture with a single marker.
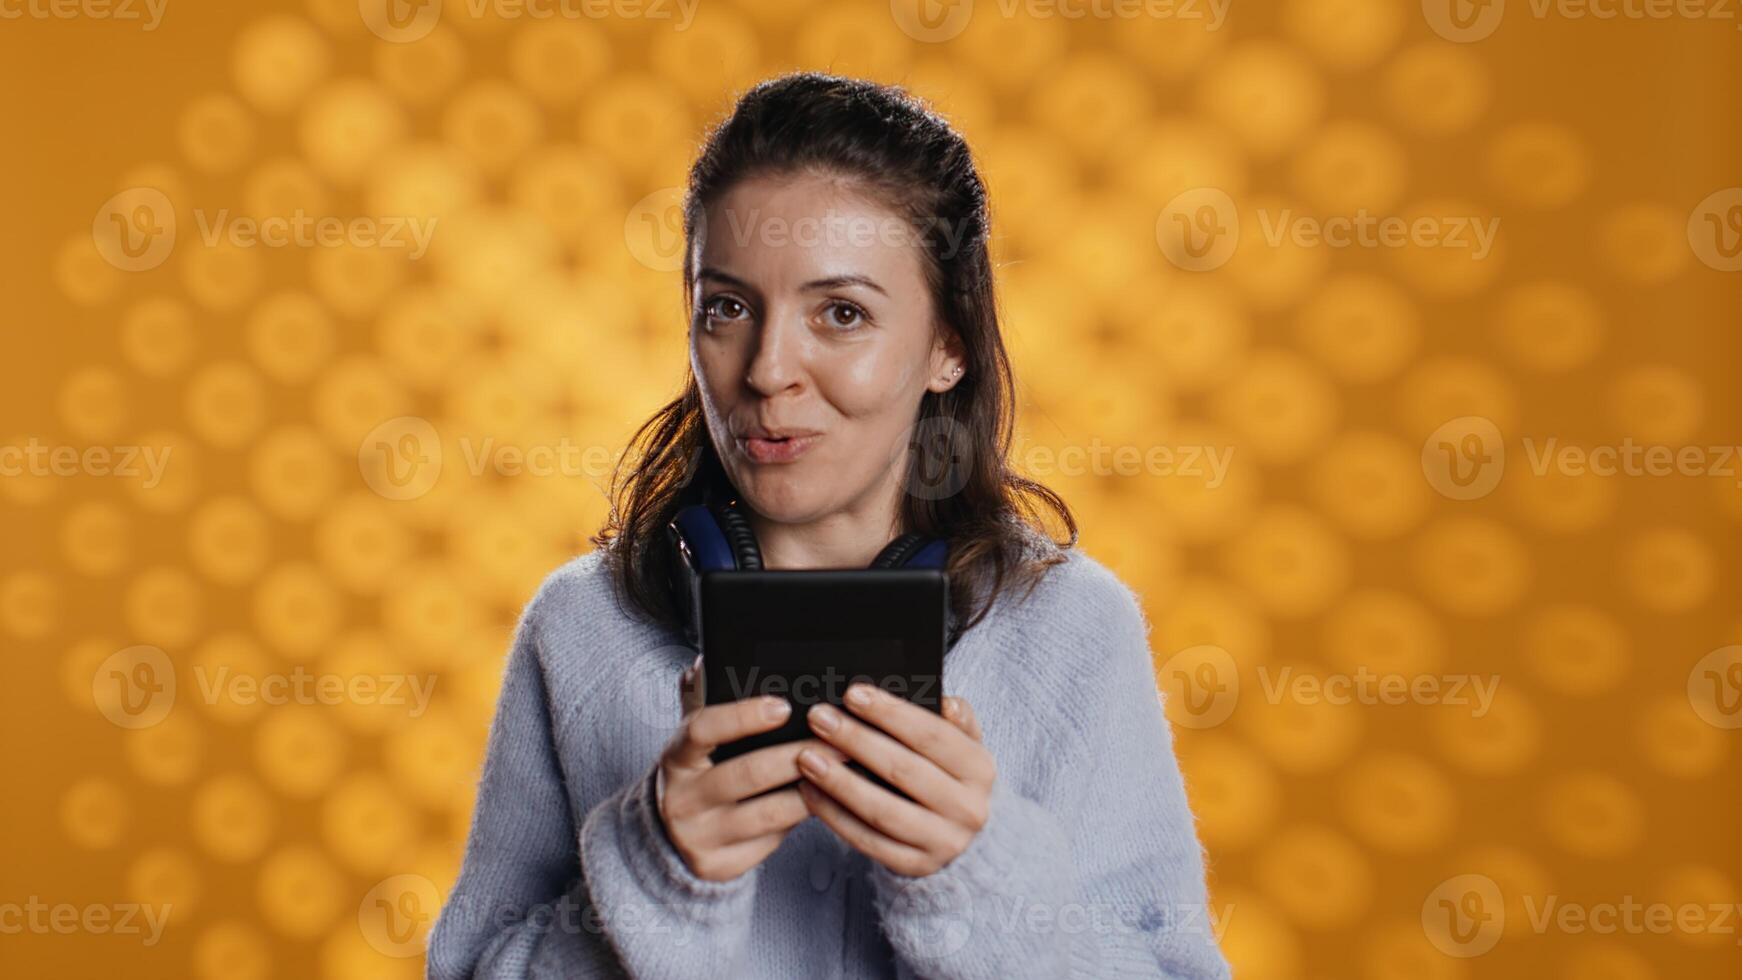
(1089, 865)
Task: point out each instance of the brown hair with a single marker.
(908, 157)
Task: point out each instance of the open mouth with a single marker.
(773, 449)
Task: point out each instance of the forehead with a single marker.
(781, 231)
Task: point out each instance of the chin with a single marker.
(780, 494)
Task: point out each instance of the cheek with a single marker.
(876, 384)
(715, 370)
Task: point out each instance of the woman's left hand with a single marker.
(939, 761)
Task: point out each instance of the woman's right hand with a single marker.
(719, 832)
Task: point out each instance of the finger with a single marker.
(916, 775)
(717, 724)
(741, 777)
(934, 738)
(892, 854)
(897, 818)
(961, 712)
(751, 820)
(739, 858)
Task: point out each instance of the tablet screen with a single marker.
(808, 635)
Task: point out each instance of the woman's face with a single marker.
(813, 341)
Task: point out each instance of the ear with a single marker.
(948, 363)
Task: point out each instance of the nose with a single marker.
(778, 364)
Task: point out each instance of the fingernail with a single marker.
(776, 708)
(859, 694)
(825, 717)
(812, 763)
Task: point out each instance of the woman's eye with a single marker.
(723, 308)
(845, 315)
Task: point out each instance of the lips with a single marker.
(782, 445)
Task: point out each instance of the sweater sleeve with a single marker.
(1098, 873)
(538, 896)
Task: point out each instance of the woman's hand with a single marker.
(940, 762)
(720, 833)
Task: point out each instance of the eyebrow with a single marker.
(832, 282)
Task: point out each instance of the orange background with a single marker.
(1330, 547)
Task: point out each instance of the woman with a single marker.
(841, 294)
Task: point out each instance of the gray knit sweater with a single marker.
(1088, 865)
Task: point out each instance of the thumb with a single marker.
(691, 687)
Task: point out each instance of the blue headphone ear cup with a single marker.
(932, 553)
(736, 528)
(699, 534)
(896, 553)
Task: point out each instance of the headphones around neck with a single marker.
(709, 538)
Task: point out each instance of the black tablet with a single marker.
(808, 635)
